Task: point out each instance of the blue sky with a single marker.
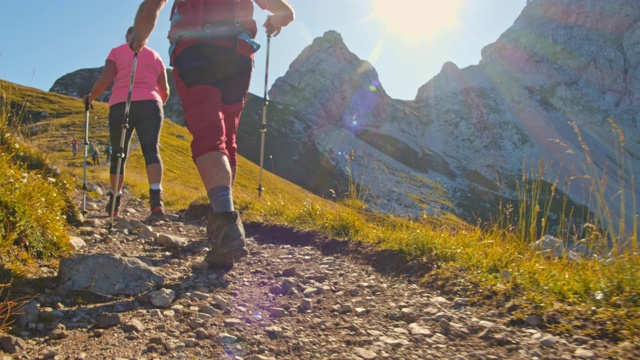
(407, 41)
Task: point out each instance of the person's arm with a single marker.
(145, 21)
(103, 82)
(163, 86)
(283, 15)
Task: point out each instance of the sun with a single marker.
(417, 19)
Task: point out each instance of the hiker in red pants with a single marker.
(212, 46)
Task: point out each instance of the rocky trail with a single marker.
(296, 296)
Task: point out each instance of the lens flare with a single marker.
(413, 19)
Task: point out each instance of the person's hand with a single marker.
(86, 100)
(272, 25)
(136, 45)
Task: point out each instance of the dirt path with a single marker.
(296, 296)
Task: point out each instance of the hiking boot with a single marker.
(155, 202)
(110, 204)
(211, 224)
(228, 240)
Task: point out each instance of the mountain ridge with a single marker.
(529, 100)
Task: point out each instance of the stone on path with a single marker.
(107, 274)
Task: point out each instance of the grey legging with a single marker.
(145, 117)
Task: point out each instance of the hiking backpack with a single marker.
(223, 19)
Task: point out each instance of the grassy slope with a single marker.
(181, 181)
(486, 266)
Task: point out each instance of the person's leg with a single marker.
(197, 74)
(116, 116)
(148, 125)
(232, 113)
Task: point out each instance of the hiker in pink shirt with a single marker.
(150, 92)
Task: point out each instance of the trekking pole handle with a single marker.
(87, 105)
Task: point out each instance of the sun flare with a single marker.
(417, 19)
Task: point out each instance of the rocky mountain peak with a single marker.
(331, 83)
(80, 83)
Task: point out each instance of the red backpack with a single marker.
(223, 19)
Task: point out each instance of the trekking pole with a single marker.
(263, 128)
(86, 143)
(121, 154)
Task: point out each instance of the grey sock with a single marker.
(221, 198)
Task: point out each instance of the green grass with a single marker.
(491, 264)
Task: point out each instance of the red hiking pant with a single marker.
(212, 81)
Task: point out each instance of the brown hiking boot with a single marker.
(110, 204)
(211, 224)
(228, 238)
(155, 202)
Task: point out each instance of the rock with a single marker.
(290, 272)
(408, 315)
(273, 332)
(233, 322)
(416, 329)
(206, 309)
(133, 325)
(225, 338)
(147, 233)
(584, 354)
(287, 285)
(11, 344)
(108, 320)
(171, 242)
(123, 224)
(30, 313)
(278, 312)
(76, 242)
(549, 341)
(220, 301)
(306, 304)
(107, 274)
(549, 245)
(346, 308)
(162, 298)
(365, 353)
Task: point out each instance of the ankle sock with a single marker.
(221, 198)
